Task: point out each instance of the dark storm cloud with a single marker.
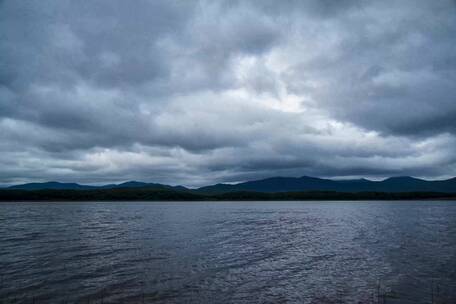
(394, 72)
(198, 91)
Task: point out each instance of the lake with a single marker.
(228, 252)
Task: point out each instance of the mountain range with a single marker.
(75, 186)
(275, 185)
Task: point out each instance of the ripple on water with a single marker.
(263, 252)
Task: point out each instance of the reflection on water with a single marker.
(228, 252)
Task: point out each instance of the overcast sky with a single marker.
(198, 92)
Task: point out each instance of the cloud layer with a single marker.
(196, 92)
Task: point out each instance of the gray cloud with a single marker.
(201, 91)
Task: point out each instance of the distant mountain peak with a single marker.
(402, 178)
(311, 177)
(132, 183)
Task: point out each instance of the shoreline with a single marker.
(147, 195)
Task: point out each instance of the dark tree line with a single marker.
(144, 194)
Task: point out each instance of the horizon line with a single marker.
(3, 186)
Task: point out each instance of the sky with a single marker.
(201, 92)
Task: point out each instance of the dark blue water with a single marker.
(228, 252)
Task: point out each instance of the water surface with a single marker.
(228, 252)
